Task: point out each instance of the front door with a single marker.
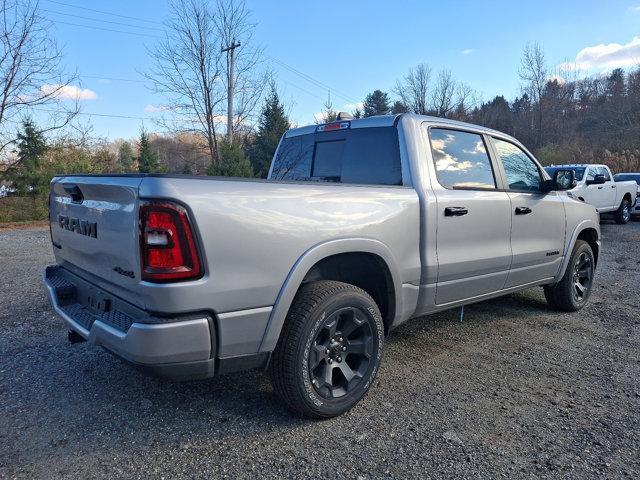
(537, 218)
(595, 194)
(473, 217)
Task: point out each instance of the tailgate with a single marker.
(94, 226)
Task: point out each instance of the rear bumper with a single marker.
(180, 348)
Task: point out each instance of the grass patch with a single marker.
(23, 209)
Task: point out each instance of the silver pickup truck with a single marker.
(361, 225)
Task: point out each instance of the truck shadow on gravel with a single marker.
(78, 399)
(102, 395)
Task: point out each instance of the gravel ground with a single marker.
(515, 390)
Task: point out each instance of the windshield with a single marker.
(621, 177)
(579, 171)
(359, 155)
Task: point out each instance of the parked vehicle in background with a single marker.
(625, 177)
(361, 225)
(595, 185)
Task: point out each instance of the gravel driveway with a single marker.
(514, 390)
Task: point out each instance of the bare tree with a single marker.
(413, 89)
(533, 73)
(466, 99)
(189, 67)
(443, 94)
(32, 76)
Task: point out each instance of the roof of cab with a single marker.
(390, 120)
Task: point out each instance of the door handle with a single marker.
(523, 210)
(613, 186)
(455, 211)
(599, 188)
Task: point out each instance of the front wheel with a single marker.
(623, 214)
(329, 349)
(572, 291)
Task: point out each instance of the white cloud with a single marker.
(467, 51)
(354, 106)
(635, 9)
(68, 92)
(612, 55)
(156, 108)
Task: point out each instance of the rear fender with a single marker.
(306, 262)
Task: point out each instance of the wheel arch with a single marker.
(326, 259)
(588, 231)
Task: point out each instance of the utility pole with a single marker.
(231, 58)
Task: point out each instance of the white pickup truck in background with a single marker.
(595, 185)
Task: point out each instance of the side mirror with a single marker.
(597, 180)
(562, 180)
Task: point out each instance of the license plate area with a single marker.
(96, 301)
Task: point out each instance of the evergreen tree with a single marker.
(328, 114)
(232, 162)
(376, 103)
(147, 159)
(399, 107)
(272, 124)
(125, 157)
(29, 173)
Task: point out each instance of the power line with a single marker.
(105, 29)
(309, 78)
(93, 114)
(113, 79)
(101, 20)
(301, 88)
(102, 12)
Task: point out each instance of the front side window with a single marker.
(605, 172)
(461, 159)
(591, 174)
(521, 171)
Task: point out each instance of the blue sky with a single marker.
(353, 47)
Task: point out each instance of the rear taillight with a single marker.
(167, 243)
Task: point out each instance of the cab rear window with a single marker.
(357, 156)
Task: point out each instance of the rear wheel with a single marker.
(572, 291)
(623, 214)
(329, 350)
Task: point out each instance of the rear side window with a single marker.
(461, 159)
(358, 156)
(521, 171)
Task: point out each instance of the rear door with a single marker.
(537, 219)
(94, 226)
(473, 216)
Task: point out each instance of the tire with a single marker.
(623, 214)
(566, 295)
(335, 317)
